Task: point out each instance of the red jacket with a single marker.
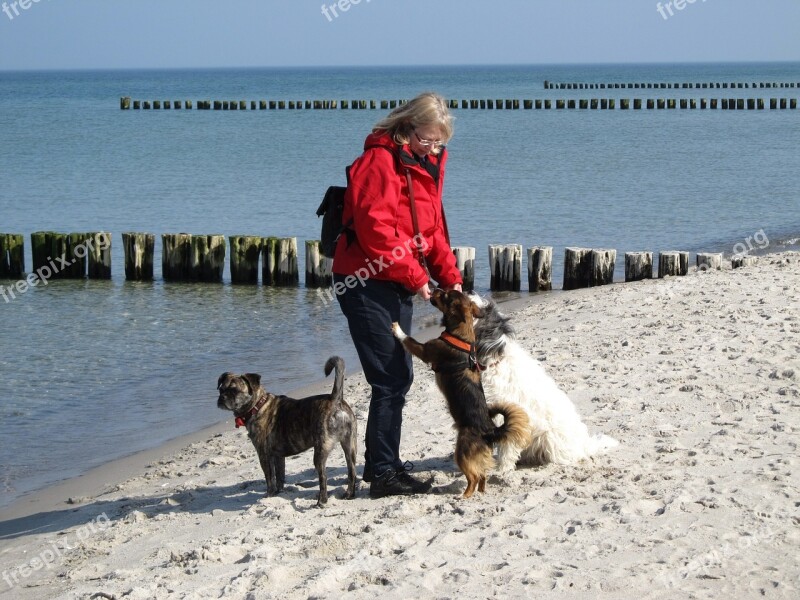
(377, 201)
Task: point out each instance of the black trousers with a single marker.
(371, 309)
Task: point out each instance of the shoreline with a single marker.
(695, 376)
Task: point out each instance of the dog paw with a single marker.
(398, 331)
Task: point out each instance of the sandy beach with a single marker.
(696, 376)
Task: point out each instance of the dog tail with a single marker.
(336, 362)
(516, 427)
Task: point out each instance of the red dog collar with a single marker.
(464, 346)
(241, 420)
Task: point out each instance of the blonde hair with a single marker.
(425, 110)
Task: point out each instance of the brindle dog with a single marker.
(452, 357)
(280, 426)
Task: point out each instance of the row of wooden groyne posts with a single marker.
(201, 258)
(550, 85)
(508, 104)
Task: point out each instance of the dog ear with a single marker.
(477, 311)
(222, 378)
(253, 380)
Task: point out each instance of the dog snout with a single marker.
(225, 399)
(439, 299)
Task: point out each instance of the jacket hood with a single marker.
(379, 139)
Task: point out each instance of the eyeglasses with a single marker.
(428, 143)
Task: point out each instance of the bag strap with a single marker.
(417, 235)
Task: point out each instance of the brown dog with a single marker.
(280, 426)
(452, 357)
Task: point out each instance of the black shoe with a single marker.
(396, 483)
(419, 487)
(368, 474)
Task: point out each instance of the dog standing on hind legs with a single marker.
(280, 426)
(452, 358)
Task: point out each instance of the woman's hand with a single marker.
(424, 292)
(456, 287)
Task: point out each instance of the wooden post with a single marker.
(46, 248)
(175, 256)
(673, 264)
(577, 268)
(540, 268)
(505, 262)
(125, 103)
(39, 250)
(602, 267)
(465, 261)
(708, 261)
(98, 246)
(280, 262)
(318, 267)
(76, 255)
(139, 249)
(12, 255)
(245, 251)
(638, 266)
(60, 248)
(207, 258)
(743, 261)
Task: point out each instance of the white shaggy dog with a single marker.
(512, 375)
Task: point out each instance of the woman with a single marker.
(379, 267)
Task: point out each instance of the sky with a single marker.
(117, 34)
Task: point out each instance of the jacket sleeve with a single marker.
(375, 200)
